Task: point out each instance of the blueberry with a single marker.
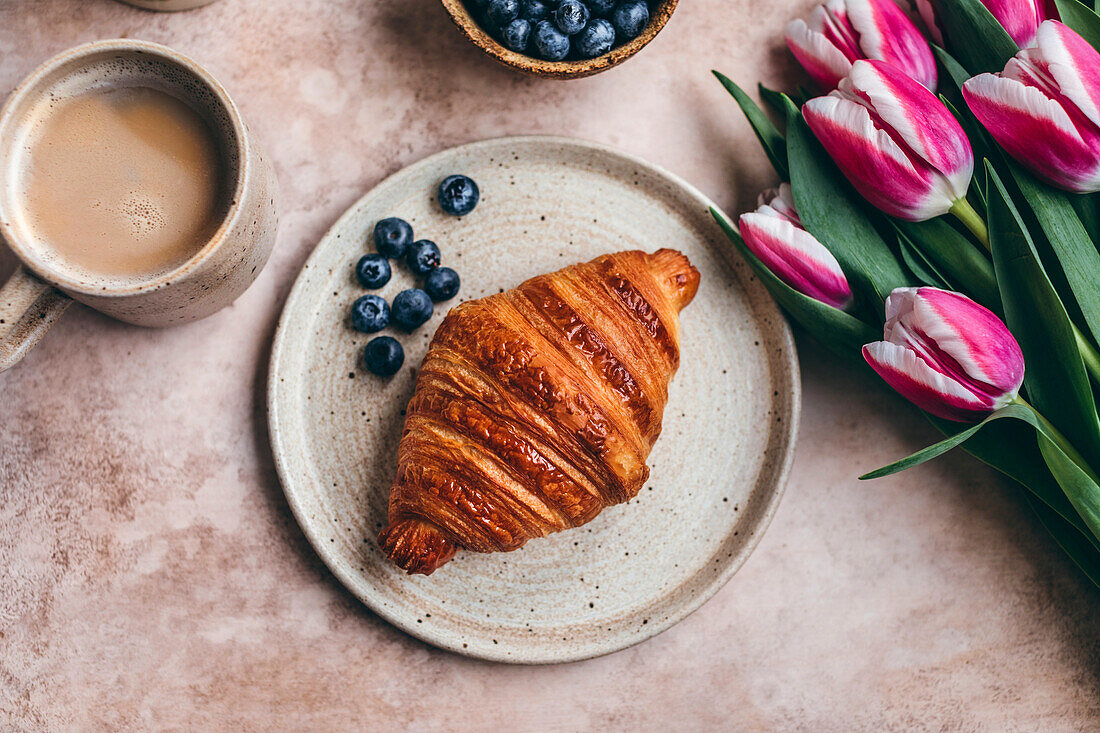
(392, 236)
(601, 7)
(502, 12)
(369, 314)
(630, 18)
(570, 16)
(441, 284)
(550, 43)
(411, 308)
(596, 39)
(423, 257)
(383, 356)
(516, 34)
(533, 10)
(373, 271)
(458, 195)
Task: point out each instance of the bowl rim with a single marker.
(574, 69)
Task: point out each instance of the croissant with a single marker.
(536, 408)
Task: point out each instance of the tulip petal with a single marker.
(928, 17)
(795, 257)
(823, 61)
(1074, 65)
(887, 34)
(874, 163)
(780, 201)
(1020, 18)
(1035, 130)
(922, 121)
(922, 385)
(960, 337)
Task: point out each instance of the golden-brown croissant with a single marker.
(536, 408)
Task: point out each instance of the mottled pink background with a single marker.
(151, 575)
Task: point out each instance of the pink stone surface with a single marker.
(152, 577)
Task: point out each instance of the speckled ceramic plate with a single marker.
(718, 469)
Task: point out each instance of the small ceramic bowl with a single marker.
(460, 14)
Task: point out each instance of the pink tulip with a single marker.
(1021, 18)
(895, 141)
(774, 233)
(842, 31)
(1044, 109)
(946, 354)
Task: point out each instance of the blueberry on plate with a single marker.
(423, 257)
(596, 39)
(571, 16)
(550, 43)
(383, 356)
(601, 7)
(370, 314)
(502, 12)
(441, 284)
(458, 195)
(515, 36)
(411, 308)
(630, 18)
(392, 236)
(373, 271)
(533, 10)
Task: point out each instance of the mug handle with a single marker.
(28, 307)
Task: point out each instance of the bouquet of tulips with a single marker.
(942, 192)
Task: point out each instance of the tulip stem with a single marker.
(973, 221)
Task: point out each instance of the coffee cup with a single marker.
(96, 211)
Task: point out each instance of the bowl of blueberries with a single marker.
(561, 39)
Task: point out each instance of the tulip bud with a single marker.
(1020, 18)
(774, 233)
(1044, 108)
(895, 141)
(842, 31)
(946, 354)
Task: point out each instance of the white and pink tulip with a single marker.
(1021, 18)
(1044, 108)
(895, 141)
(839, 32)
(947, 354)
(775, 234)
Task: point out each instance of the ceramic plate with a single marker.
(718, 469)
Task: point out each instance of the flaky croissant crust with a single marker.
(536, 408)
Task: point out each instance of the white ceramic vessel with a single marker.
(718, 468)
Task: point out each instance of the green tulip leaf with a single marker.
(1069, 241)
(1078, 485)
(1075, 483)
(1055, 377)
(1087, 206)
(1081, 19)
(1010, 447)
(773, 99)
(920, 266)
(956, 257)
(832, 211)
(775, 147)
(974, 36)
(1020, 412)
(1083, 553)
(840, 331)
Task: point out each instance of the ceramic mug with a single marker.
(40, 289)
(168, 4)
